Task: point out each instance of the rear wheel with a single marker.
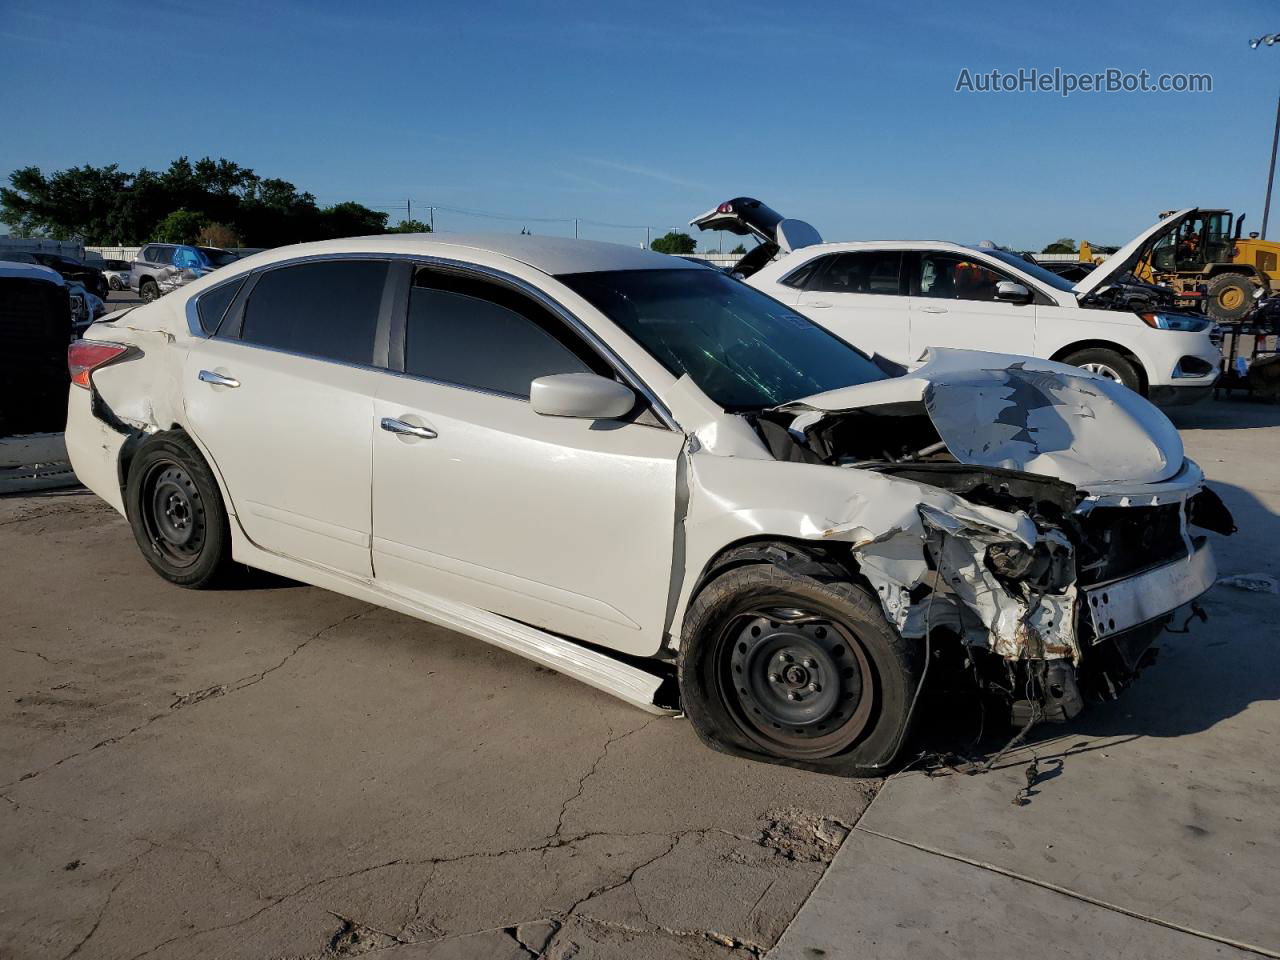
(796, 668)
(149, 290)
(1109, 364)
(1230, 296)
(176, 512)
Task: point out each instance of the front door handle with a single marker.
(217, 379)
(933, 309)
(400, 428)
(819, 304)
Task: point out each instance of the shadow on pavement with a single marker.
(1228, 413)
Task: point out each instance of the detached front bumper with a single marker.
(1123, 604)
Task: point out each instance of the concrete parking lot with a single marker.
(277, 771)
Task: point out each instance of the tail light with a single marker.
(85, 356)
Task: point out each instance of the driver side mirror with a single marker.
(1011, 292)
(585, 396)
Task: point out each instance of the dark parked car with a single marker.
(35, 327)
(69, 268)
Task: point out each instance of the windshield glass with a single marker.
(219, 258)
(744, 350)
(1047, 277)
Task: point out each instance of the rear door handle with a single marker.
(933, 309)
(820, 304)
(400, 428)
(217, 379)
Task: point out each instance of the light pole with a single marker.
(1269, 40)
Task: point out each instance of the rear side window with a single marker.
(805, 273)
(476, 334)
(212, 306)
(326, 309)
(868, 271)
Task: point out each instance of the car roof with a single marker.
(550, 255)
(855, 245)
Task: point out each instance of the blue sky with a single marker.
(844, 114)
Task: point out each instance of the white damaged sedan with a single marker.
(650, 476)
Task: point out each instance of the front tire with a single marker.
(176, 512)
(784, 663)
(149, 290)
(1108, 364)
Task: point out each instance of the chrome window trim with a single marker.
(619, 365)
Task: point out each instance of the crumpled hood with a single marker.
(1021, 413)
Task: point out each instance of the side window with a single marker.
(478, 334)
(802, 276)
(327, 309)
(212, 305)
(145, 254)
(161, 254)
(952, 277)
(865, 271)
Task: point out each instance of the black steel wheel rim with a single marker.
(797, 683)
(173, 513)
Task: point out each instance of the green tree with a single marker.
(217, 235)
(181, 226)
(739, 250)
(410, 226)
(350, 219)
(108, 205)
(1061, 245)
(674, 242)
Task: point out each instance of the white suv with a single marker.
(899, 298)
(650, 476)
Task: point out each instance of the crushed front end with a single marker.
(1055, 529)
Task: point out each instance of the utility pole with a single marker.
(432, 222)
(646, 238)
(1269, 40)
(1271, 172)
(408, 206)
(575, 228)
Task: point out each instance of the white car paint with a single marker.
(525, 530)
(1055, 324)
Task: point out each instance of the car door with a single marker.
(858, 296)
(565, 524)
(282, 399)
(953, 304)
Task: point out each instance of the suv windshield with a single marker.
(744, 350)
(217, 257)
(1047, 277)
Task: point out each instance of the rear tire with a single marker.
(149, 290)
(783, 664)
(176, 512)
(1109, 364)
(1230, 296)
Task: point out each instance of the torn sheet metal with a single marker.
(889, 524)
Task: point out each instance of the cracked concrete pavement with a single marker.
(284, 772)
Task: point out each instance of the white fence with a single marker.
(112, 253)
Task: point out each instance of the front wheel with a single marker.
(149, 290)
(783, 666)
(176, 512)
(1108, 364)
